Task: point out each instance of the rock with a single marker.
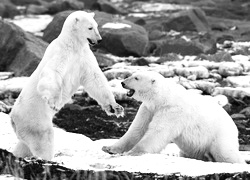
(192, 19)
(199, 72)
(104, 60)
(238, 81)
(168, 57)
(55, 26)
(36, 9)
(218, 57)
(108, 7)
(117, 73)
(238, 92)
(13, 85)
(205, 86)
(7, 9)
(64, 5)
(4, 108)
(89, 4)
(188, 44)
(230, 69)
(121, 37)
(20, 52)
(6, 75)
(25, 2)
(246, 111)
(140, 62)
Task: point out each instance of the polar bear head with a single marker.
(82, 26)
(143, 86)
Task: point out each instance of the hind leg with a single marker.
(22, 150)
(36, 142)
(226, 152)
(41, 143)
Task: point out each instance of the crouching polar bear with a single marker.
(169, 113)
(67, 63)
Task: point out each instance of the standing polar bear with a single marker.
(68, 63)
(169, 113)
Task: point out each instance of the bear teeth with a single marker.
(130, 92)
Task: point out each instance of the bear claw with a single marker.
(108, 150)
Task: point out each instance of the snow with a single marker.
(79, 152)
(158, 7)
(32, 23)
(116, 25)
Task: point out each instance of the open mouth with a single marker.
(130, 93)
(90, 42)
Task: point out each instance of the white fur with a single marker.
(67, 63)
(169, 113)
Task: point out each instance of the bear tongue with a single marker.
(130, 92)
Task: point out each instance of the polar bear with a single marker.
(169, 113)
(67, 63)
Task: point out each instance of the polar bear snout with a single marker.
(131, 92)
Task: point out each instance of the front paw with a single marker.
(54, 103)
(111, 150)
(114, 109)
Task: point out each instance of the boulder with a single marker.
(63, 5)
(25, 2)
(108, 7)
(7, 9)
(218, 57)
(54, 27)
(36, 9)
(120, 37)
(230, 69)
(20, 51)
(192, 19)
(188, 44)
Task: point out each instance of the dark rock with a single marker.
(89, 4)
(140, 62)
(7, 9)
(20, 52)
(108, 7)
(36, 9)
(103, 60)
(168, 58)
(193, 19)
(25, 2)
(130, 40)
(54, 27)
(64, 5)
(195, 44)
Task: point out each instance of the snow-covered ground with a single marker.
(79, 152)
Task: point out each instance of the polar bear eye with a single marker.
(90, 28)
(136, 78)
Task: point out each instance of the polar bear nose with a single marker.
(123, 84)
(99, 41)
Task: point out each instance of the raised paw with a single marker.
(114, 109)
(53, 103)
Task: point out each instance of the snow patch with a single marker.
(32, 23)
(116, 26)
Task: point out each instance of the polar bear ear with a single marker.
(92, 14)
(76, 20)
(153, 81)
